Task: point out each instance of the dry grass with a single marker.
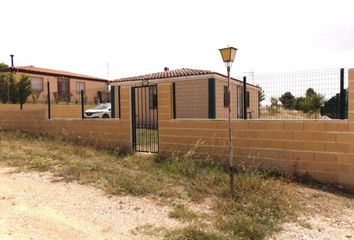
(258, 207)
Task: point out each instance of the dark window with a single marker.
(239, 101)
(80, 86)
(247, 99)
(37, 84)
(152, 98)
(226, 97)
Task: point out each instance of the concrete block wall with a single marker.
(323, 149)
(111, 133)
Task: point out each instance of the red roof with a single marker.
(166, 74)
(50, 72)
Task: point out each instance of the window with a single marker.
(226, 97)
(80, 86)
(247, 99)
(239, 101)
(152, 97)
(37, 84)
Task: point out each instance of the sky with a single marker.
(138, 36)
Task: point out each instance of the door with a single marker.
(145, 119)
(63, 90)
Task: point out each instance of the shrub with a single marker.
(25, 89)
(287, 100)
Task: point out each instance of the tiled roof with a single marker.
(51, 72)
(166, 74)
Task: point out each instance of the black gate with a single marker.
(145, 119)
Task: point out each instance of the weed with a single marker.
(192, 233)
(182, 213)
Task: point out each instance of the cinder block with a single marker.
(345, 137)
(314, 125)
(275, 125)
(324, 136)
(239, 124)
(351, 114)
(345, 158)
(325, 157)
(257, 125)
(265, 134)
(337, 126)
(351, 126)
(294, 145)
(283, 135)
(294, 125)
(248, 134)
(337, 147)
(305, 136)
(303, 156)
(314, 146)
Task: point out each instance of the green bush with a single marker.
(10, 88)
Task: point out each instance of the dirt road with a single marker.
(34, 207)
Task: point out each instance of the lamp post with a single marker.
(228, 56)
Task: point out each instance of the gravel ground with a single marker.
(329, 216)
(32, 206)
(35, 206)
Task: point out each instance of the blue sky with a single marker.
(138, 37)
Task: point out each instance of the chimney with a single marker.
(12, 60)
(166, 69)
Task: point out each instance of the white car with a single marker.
(100, 111)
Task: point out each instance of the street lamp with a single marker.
(228, 56)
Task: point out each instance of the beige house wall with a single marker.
(91, 87)
(192, 96)
(222, 112)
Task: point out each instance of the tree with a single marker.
(3, 65)
(313, 104)
(261, 96)
(10, 88)
(274, 105)
(287, 100)
(24, 86)
(13, 89)
(4, 87)
(298, 102)
(310, 92)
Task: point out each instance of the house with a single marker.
(199, 93)
(64, 86)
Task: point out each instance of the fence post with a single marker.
(82, 105)
(244, 97)
(48, 100)
(119, 106)
(174, 100)
(351, 99)
(21, 96)
(342, 102)
(113, 101)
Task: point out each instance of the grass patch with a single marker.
(182, 213)
(258, 207)
(192, 233)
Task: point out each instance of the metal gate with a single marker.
(145, 119)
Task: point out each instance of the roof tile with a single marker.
(33, 69)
